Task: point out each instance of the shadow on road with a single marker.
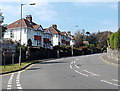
(52, 62)
(34, 68)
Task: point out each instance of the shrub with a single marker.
(115, 40)
(112, 40)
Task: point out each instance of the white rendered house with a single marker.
(31, 34)
(59, 38)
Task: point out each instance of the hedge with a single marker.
(115, 40)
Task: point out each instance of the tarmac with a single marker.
(108, 60)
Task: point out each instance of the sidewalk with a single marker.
(109, 60)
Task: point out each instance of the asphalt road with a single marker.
(79, 72)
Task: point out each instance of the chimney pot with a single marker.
(29, 18)
(54, 26)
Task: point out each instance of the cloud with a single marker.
(42, 10)
(47, 16)
(111, 5)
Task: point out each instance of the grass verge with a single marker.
(15, 67)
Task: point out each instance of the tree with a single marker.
(1, 17)
(102, 39)
(92, 38)
(88, 33)
(79, 37)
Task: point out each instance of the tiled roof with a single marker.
(54, 31)
(45, 30)
(25, 23)
(35, 27)
(62, 33)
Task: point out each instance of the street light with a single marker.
(21, 32)
(72, 43)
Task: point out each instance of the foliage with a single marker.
(115, 40)
(79, 37)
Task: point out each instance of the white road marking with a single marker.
(72, 62)
(109, 82)
(76, 59)
(9, 86)
(18, 81)
(76, 66)
(19, 87)
(115, 80)
(93, 74)
(70, 66)
(81, 73)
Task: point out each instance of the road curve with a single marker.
(79, 72)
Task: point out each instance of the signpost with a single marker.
(8, 50)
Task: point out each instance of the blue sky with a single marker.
(91, 16)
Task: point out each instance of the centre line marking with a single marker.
(18, 81)
(9, 86)
(72, 62)
(93, 74)
(70, 66)
(81, 73)
(115, 80)
(109, 82)
(76, 66)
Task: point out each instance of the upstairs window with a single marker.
(11, 34)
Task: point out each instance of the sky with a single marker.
(90, 16)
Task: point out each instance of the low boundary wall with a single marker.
(113, 54)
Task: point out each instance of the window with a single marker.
(56, 35)
(37, 43)
(25, 30)
(40, 43)
(11, 34)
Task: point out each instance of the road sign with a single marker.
(7, 47)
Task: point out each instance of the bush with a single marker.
(112, 40)
(115, 40)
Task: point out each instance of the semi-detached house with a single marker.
(35, 35)
(59, 38)
(31, 34)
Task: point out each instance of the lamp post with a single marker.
(72, 43)
(21, 32)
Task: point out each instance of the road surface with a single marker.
(78, 72)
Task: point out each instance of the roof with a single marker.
(25, 23)
(45, 30)
(35, 27)
(54, 30)
(62, 33)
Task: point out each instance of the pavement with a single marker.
(108, 60)
(79, 72)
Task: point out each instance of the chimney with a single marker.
(29, 18)
(54, 26)
(69, 32)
